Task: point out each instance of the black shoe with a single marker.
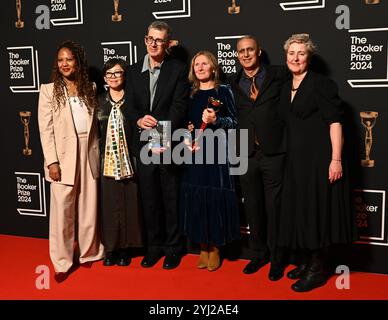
(150, 260)
(123, 259)
(254, 265)
(298, 272)
(171, 261)
(60, 276)
(276, 272)
(110, 259)
(310, 281)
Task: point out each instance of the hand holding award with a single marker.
(213, 106)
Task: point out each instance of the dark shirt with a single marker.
(245, 81)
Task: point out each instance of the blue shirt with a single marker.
(154, 75)
(245, 81)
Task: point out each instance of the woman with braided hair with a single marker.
(69, 137)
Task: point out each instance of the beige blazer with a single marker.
(59, 137)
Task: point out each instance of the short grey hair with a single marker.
(303, 38)
(161, 26)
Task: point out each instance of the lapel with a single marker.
(235, 82)
(164, 75)
(269, 76)
(267, 81)
(69, 114)
(143, 82)
(305, 88)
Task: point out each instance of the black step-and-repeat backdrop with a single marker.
(351, 36)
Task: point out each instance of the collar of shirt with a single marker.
(146, 65)
(245, 81)
(260, 75)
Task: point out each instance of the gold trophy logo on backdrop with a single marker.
(372, 1)
(116, 17)
(368, 120)
(19, 24)
(25, 119)
(234, 9)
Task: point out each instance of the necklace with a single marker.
(294, 89)
(71, 93)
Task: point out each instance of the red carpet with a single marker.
(21, 256)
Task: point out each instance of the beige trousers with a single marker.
(74, 233)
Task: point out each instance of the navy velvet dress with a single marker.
(209, 208)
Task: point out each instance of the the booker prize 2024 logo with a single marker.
(125, 50)
(170, 9)
(370, 216)
(30, 192)
(369, 55)
(66, 12)
(227, 54)
(57, 13)
(302, 5)
(23, 69)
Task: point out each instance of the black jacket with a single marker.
(261, 117)
(171, 96)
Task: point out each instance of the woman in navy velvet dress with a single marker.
(209, 208)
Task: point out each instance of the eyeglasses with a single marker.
(151, 40)
(116, 74)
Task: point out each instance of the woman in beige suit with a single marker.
(68, 133)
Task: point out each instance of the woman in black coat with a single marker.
(120, 211)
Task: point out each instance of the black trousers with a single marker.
(159, 187)
(121, 214)
(261, 188)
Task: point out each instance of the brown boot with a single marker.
(214, 259)
(203, 257)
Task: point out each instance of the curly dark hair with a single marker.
(85, 88)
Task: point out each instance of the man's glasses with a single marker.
(151, 40)
(116, 74)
